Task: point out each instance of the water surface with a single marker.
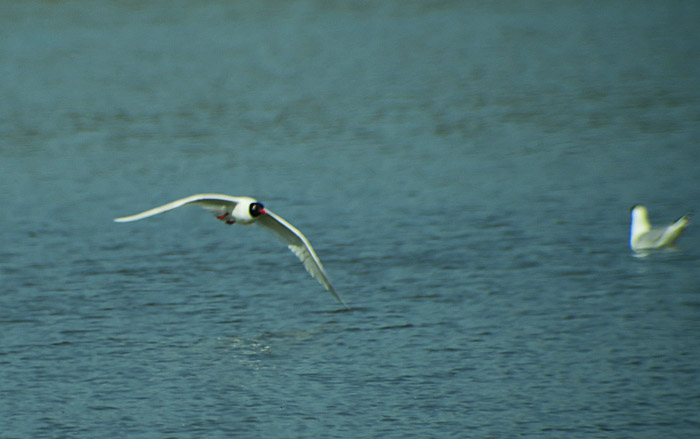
(465, 172)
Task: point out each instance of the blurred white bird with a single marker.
(246, 211)
(643, 237)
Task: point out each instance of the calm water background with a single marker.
(464, 169)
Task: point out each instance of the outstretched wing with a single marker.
(300, 246)
(215, 203)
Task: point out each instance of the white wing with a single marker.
(649, 239)
(670, 234)
(215, 203)
(301, 247)
(662, 236)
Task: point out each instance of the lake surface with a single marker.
(464, 170)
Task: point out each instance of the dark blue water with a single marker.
(464, 170)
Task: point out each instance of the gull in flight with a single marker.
(643, 237)
(246, 211)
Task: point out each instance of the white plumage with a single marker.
(643, 237)
(246, 211)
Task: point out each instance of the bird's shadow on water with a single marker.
(268, 347)
(324, 327)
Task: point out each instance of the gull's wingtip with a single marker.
(682, 221)
(337, 297)
(340, 299)
(345, 307)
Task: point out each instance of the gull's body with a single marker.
(246, 211)
(643, 237)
